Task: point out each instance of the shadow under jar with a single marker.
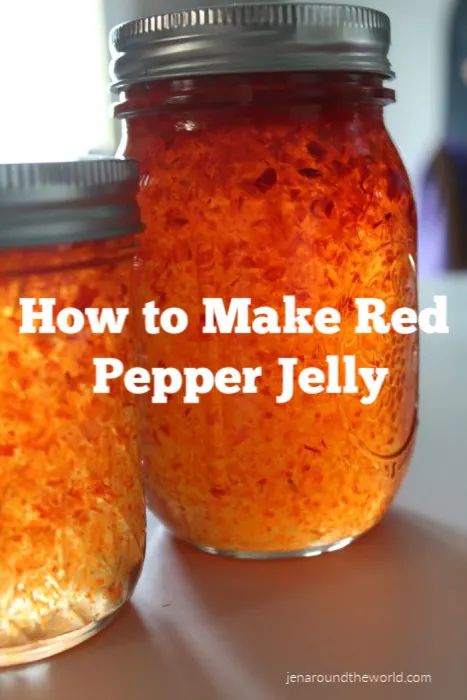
(266, 170)
(72, 520)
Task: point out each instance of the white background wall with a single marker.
(53, 78)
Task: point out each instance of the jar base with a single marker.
(43, 649)
(293, 554)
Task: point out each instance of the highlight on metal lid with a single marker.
(67, 202)
(250, 38)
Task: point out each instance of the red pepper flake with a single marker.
(266, 180)
(175, 219)
(322, 208)
(341, 169)
(316, 150)
(85, 298)
(274, 273)
(217, 492)
(248, 262)
(7, 450)
(310, 173)
(394, 184)
(347, 304)
(295, 194)
(312, 449)
(13, 360)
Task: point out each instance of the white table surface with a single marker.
(207, 628)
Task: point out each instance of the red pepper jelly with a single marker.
(72, 515)
(266, 170)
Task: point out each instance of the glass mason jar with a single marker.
(266, 170)
(72, 521)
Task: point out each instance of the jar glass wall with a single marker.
(72, 520)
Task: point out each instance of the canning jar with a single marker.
(72, 521)
(266, 171)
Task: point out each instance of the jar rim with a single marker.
(251, 37)
(68, 202)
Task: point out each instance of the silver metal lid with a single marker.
(251, 38)
(52, 203)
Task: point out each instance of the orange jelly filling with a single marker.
(72, 525)
(263, 187)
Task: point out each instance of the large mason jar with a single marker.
(72, 520)
(266, 171)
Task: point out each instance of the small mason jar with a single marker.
(266, 170)
(72, 520)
